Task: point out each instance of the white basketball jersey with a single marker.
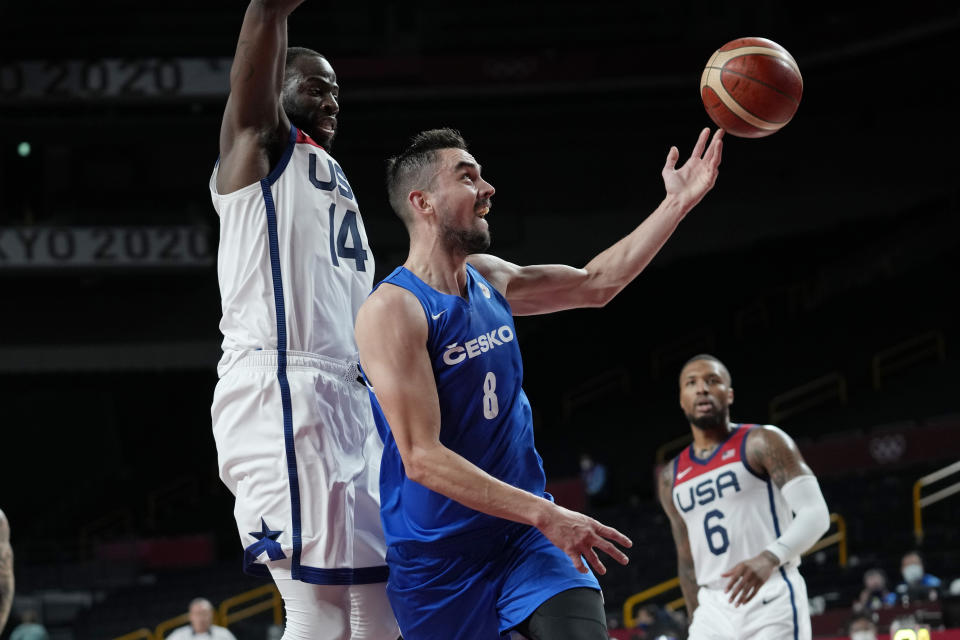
(732, 512)
(293, 248)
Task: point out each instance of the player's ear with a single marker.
(420, 202)
(729, 396)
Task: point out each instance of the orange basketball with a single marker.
(751, 87)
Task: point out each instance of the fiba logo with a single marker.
(484, 290)
(887, 449)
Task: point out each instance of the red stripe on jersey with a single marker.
(687, 466)
(303, 138)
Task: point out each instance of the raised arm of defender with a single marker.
(391, 332)
(253, 117)
(540, 289)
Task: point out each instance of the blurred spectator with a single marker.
(875, 592)
(6, 570)
(594, 475)
(656, 623)
(30, 627)
(201, 624)
(862, 627)
(917, 583)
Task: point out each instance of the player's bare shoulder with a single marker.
(771, 449)
(387, 311)
(496, 271)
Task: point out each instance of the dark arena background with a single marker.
(822, 269)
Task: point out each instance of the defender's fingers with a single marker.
(701, 143)
(595, 562)
(609, 549)
(715, 151)
(748, 595)
(737, 578)
(672, 157)
(612, 534)
(577, 562)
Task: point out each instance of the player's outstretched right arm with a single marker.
(6, 570)
(685, 570)
(546, 288)
(391, 332)
(253, 119)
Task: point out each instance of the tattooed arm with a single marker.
(254, 126)
(773, 452)
(685, 569)
(6, 571)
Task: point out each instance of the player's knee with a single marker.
(371, 616)
(314, 612)
(574, 614)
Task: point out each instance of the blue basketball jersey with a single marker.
(485, 414)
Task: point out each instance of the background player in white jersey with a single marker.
(295, 437)
(477, 547)
(743, 506)
(6, 571)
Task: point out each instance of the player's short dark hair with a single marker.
(406, 171)
(295, 53)
(712, 358)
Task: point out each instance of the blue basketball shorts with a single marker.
(478, 586)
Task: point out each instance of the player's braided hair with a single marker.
(406, 171)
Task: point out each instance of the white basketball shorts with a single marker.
(779, 611)
(298, 448)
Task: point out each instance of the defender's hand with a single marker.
(577, 535)
(698, 174)
(747, 577)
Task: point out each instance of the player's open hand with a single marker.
(579, 536)
(698, 174)
(747, 577)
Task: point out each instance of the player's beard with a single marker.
(710, 421)
(302, 119)
(466, 241)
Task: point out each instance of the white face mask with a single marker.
(912, 572)
(863, 635)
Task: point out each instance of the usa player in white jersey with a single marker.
(743, 506)
(295, 436)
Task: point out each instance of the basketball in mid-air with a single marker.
(751, 87)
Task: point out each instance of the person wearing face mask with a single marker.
(917, 583)
(862, 627)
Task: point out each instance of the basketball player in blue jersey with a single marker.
(476, 547)
(743, 506)
(294, 431)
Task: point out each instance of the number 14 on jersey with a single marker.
(349, 230)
